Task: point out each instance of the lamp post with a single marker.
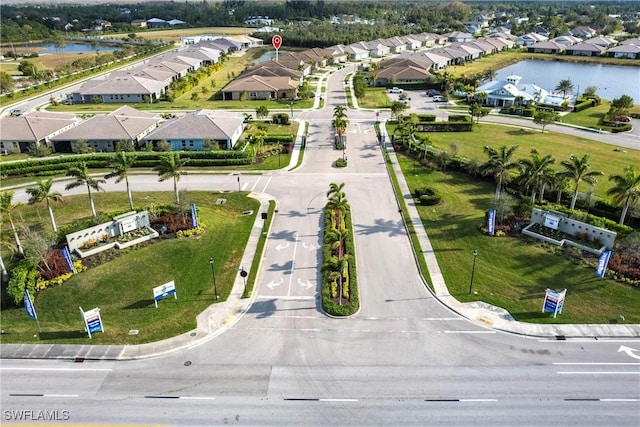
(213, 274)
(473, 269)
(239, 183)
(291, 109)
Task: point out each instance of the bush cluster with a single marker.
(427, 196)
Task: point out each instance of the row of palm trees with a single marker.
(340, 123)
(169, 167)
(338, 205)
(534, 175)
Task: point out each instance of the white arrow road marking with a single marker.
(307, 285)
(293, 263)
(282, 246)
(273, 284)
(630, 351)
(308, 246)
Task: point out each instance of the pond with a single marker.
(269, 55)
(50, 48)
(612, 81)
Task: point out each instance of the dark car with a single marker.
(432, 92)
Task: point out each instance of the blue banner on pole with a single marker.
(194, 216)
(603, 261)
(28, 305)
(491, 222)
(67, 258)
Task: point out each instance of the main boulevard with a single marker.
(403, 359)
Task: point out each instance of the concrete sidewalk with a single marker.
(481, 312)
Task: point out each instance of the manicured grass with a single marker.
(122, 288)
(602, 156)
(253, 271)
(375, 98)
(178, 33)
(511, 272)
(589, 117)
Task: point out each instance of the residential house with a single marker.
(272, 68)
(499, 43)
(246, 41)
(411, 42)
(174, 22)
(459, 36)
(394, 74)
(625, 50)
(508, 92)
(375, 47)
(260, 87)
(157, 23)
(395, 44)
(456, 55)
(566, 40)
(30, 130)
(438, 62)
(119, 89)
(583, 32)
(103, 132)
(196, 130)
(353, 52)
(546, 47)
(472, 51)
(586, 49)
(142, 23)
(603, 41)
(530, 39)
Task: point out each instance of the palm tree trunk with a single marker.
(498, 185)
(126, 180)
(625, 208)
(574, 198)
(3, 271)
(544, 187)
(175, 190)
(16, 237)
(53, 220)
(93, 208)
(533, 195)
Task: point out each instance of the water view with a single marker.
(50, 48)
(612, 81)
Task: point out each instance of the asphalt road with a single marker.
(404, 359)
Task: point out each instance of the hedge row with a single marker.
(282, 139)
(445, 127)
(329, 306)
(518, 111)
(426, 117)
(54, 165)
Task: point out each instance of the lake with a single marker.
(50, 48)
(612, 81)
(269, 55)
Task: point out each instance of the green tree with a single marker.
(489, 75)
(81, 174)
(335, 188)
(477, 111)
(6, 82)
(28, 68)
(340, 125)
(42, 191)
(544, 117)
(339, 111)
(397, 108)
(262, 111)
(564, 86)
(7, 207)
(121, 164)
(499, 166)
(626, 190)
(535, 173)
(576, 170)
(171, 166)
(621, 106)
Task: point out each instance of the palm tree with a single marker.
(121, 164)
(557, 183)
(335, 188)
(7, 207)
(338, 204)
(339, 111)
(42, 191)
(627, 189)
(171, 167)
(499, 166)
(535, 172)
(340, 124)
(489, 75)
(564, 86)
(576, 171)
(81, 173)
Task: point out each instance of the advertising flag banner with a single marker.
(28, 305)
(67, 258)
(194, 216)
(491, 222)
(603, 261)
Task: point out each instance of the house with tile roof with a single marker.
(548, 46)
(103, 132)
(260, 87)
(119, 89)
(625, 50)
(34, 129)
(195, 130)
(586, 49)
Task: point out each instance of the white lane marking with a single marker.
(600, 340)
(293, 263)
(255, 184)
(598, 373)
(619, 400)
(61, 395)
(264, 189)
(443, 318)
(6, 368)
(478, 400)
(297, 317)
(469, 332)
(244, 186)
(197, 398)
(338, 400)
(286, 297)
(597, 363)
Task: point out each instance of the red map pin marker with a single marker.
(276, 41)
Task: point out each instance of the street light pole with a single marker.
(291, 109)
(213, 274)
(473, 269)
(238, 183)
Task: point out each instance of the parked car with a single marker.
(432, 92)
(16, 112)
(623, 119)
(439, 98)
(395, 90)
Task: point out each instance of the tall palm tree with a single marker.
(576, 171)
(7, 207)
(565, 86)
(626, 190)
(171, 167)
(557, 183)
(335, 188)
(338, 204)
(121, 164)
(42, 191)
(81, 173)
(489, 75)
(499, 166)
(339, 111)
(535, 172)
(340, 124)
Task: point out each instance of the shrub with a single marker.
(281, 118)
(340, 163)
(23, 276)
(427, 196)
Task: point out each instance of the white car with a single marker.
(395, 90)
(439, 98)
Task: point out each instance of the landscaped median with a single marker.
(339, 280)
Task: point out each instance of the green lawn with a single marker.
(375, 98)
(603, 157)
(511, 272)
(588, 118)
(123, 288)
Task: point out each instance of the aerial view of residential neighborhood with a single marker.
(316, 212)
